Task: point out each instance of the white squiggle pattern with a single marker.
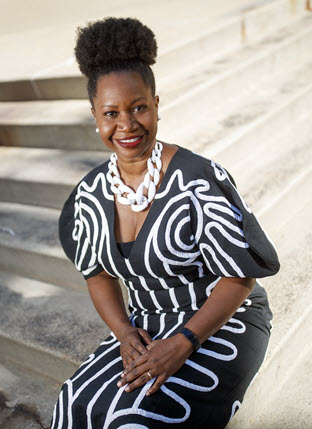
(235, 407)
(136, 408)
(133, 426)
(81, 225)
(61, 411)
(221, 174)
(238, 330)
(176, 215)
(54, 415)
(220, 356)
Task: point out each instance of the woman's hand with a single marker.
(161, 359)
(133, 342)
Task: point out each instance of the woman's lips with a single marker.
(130, 142)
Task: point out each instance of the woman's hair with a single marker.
(115, 45)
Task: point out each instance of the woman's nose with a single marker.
(127, 123)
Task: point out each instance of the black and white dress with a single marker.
(197, 230)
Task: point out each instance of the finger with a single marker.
(126, 360)
(146, 336)
(136, 363)
(130, 351)
(157, 385)
(138, 345)
(153, 344)
(135, 373)
(140, 381)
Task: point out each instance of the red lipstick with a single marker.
(130, 142)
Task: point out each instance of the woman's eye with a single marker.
(110, 114)
(139, 108)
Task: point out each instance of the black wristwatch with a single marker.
(191, 337)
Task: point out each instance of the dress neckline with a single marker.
(125, 248)
(149, 214)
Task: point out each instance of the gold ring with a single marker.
(149, 375)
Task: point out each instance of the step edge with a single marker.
(15, 350)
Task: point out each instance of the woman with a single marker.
(171, 225)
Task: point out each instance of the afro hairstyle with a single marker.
(115, 45)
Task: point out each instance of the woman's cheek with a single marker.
(106, 133)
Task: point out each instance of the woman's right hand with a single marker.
(107, 298)
(133, 342)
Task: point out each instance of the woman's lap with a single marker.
(205, 392)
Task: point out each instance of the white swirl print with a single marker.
(210, 381)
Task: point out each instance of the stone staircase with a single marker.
(240, 94)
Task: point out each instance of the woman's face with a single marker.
(126, 114)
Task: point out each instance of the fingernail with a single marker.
(147, 393)
(127, 389)
(119, 384)
(122, 374)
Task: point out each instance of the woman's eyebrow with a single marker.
(116, 107)
(137, 99)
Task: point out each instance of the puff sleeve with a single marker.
(75, 237)
(230, 239)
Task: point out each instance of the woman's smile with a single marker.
(130, 142)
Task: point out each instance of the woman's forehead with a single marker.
(122, 85)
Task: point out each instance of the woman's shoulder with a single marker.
(196, 166)
(92, 181)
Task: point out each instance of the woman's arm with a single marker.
(166, 356)
(227, 296)
(107, 298)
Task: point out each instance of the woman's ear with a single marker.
(92, 111)
(156, 101)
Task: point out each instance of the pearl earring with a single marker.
(97, 130)
(158, 118)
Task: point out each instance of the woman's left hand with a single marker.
(163, 358)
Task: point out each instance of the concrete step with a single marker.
(29, 246)
(265, 58)
(46, 328)
(268, 167)
(225, 83)
(255, 22)
(27, 398)
(43, 177)
(68, 123)
(290, 293)
(47, 53)
(291, 411)
(255, 120)
(242, 26)
(52, 124)
(269, 402)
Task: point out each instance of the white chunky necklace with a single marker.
(137, 200)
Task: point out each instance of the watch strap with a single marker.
(191, 337)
